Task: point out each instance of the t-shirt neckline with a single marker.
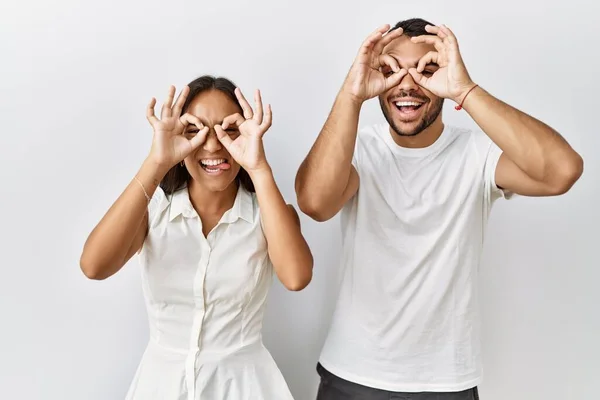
(384, 130)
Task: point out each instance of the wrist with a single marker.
(468, 98)
(155, 170)
(347, 97)
(463, 93)
(260, 174)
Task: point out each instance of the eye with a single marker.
(430, 69)
(191, 133)
(232, 131)
(386, 70)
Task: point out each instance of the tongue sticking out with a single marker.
(215, 168)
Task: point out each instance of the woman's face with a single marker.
(211, 165)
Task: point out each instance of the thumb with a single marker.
(395, 78)
(199, 138)
(418, 77)
(223, 137)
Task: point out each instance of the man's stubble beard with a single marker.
(425, 122)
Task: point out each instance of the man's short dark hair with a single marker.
(413, 27)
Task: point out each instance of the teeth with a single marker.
(212, 162)
(407, 103)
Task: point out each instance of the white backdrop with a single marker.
(75, 80)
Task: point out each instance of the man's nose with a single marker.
(408, 84)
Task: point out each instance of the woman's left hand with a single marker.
(247, 148)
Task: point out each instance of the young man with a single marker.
(416, 195)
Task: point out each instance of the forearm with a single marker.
(324, 174)
(288, 250)
(106, 248)
(537, 149)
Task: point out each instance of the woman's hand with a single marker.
(245, 143)
(169, 145)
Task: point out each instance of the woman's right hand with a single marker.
(169, 145)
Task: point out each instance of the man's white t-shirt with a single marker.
(407, 317)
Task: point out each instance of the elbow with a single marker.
(313, 208)
(311, 202)
(569, 172)
(91, 269)
(92, 273)
(301, 279)
(298, 284)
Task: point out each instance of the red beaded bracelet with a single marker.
(460, 106)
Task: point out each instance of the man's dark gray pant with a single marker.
(333, 387)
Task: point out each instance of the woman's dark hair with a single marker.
(413, 27)
(178, 176)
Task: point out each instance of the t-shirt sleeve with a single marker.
(490, 153)
(356, 155)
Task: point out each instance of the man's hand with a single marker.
(451, 80)
(365, 79)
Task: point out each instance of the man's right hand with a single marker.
(368, 76)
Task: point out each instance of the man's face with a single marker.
(408, 108)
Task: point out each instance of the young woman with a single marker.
(210, 226)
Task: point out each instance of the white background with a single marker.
(75, 80)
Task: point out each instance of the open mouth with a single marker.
(215, 166)
(409, 109)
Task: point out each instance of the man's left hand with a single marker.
(451, 80)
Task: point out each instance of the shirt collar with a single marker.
(243, 206)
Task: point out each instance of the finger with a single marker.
(233, 120)
(166, 108)
(150, 112)
(443, 32)
(390, 61)
(187, 119)
(181, 100)
(395, 78)
(258, 116)
(431, 57)
(244, 103)
(451, 38)
(199, 138)
(432, 29)
(429, 39)
(266, 123)
(387, 39)
(223, 137)
(372, 39)
(419, 78)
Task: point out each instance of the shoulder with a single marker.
(158, 204)
(474, 136)
(474, 140)
(371, 138)
(372, 132)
